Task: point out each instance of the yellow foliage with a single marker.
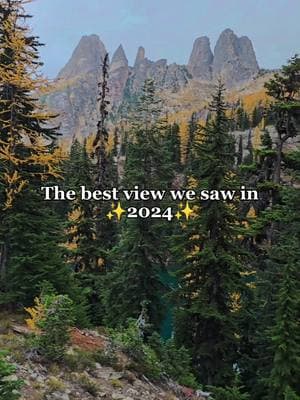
(37, 313)
(256, 141)
(192, 183)
(250, 100)
(100, 262)
(235, 301)
(251, 213)
(89, 144)
(20, 72)
(75, 215)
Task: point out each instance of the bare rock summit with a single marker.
(201, 59)
(234, 59)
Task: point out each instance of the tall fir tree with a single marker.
(142, 248)
(285, 333)
(210, 277)
(104, 176)
(273, 237)
(81, 226)
(28, 160)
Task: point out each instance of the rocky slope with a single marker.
(74, 92)
(91, 369)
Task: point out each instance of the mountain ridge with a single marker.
(74, 92)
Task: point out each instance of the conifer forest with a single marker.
(194, 297)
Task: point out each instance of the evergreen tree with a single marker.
(81, 229)
(28, 160)
(257, 116)
(34, 235)
(105, 229)
(276, 341)
(193, 130)
(273, 230)
(285, 89)
(285, 334)
(142, 249)
(209, 279)
(173, 141)
(242, 119)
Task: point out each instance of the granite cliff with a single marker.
(74, 92)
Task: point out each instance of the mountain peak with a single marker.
(140, 56)
(118, 75)
(201, 59)
(227, 32)
(119, 56)
(234, 58)
(87, 56)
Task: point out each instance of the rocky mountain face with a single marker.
(118, 75)
(86, 58)
(74, 92)
(234, 59)
(166, 76)
(201, 59)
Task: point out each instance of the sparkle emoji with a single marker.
(178, 215)
(110, 215)
(119, 211)
(187, 211)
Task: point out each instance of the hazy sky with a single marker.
(166, 28)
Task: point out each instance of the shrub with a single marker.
(227, 393)
(176, 362)
(80, 360)
(107, 358)
(156, 357)
(88, 385)
(9, 388)
(53, 324)
(144, 357)
(55, 384)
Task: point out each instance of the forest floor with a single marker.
(91, 369)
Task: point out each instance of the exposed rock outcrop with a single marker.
(201, 59)
(118, 75)
(166, 76)
(75, 91)
(140, 56)
(234, 59)
(87, 57)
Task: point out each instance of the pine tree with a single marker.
(142, 249)
(273, 231)
(81, 240)
(193, 130)
(35, 253)
(23, 152)
(173, 141)
(257, 116)
(285, 89)
(81, 227)
(242, 119)
(28, 160)
(104, 177)
(276, 338)
(209, 279)
(285, 334)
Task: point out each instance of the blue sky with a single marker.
(166, 28)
